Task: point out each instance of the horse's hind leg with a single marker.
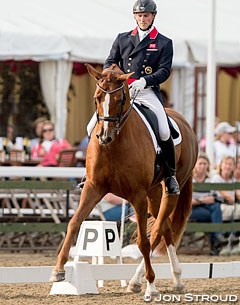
(89, 198)
(135, 284)
(174, 262)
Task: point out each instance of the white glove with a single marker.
(137, 86)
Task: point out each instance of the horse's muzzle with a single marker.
(104, 140)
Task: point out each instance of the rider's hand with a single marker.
(137, 86)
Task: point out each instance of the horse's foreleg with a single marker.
(144, 246)
(89, 198)
(174, 262)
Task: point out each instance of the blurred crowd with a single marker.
(223, 205)
(43, 148)
(213, 206)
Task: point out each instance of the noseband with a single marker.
(120, 119)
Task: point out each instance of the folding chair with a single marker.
(67, 157)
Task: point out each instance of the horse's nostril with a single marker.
(97, 136)
(105, 141)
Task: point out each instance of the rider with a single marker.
(149, 54)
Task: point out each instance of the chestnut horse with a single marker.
(120, 159)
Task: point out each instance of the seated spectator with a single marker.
(205, 208)
(238, 138)
(230, 210)
(224, 145)
(237, 177)
(111, 206)
(37, 125)
(226, 175)
(49, 147)
(237, 170)
(9, 141)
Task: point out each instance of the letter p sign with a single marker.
(110, 237)
(91, 236)
(98, 238)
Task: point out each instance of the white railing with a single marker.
(37, 171)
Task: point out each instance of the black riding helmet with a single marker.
(145, 6)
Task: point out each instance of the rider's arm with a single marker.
(114, 55)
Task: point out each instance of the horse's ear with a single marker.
(124, 77)
(93, 72)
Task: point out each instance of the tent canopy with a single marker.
(84, 30)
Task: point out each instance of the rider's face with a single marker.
(144, 20)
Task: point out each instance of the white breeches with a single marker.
(148, 98)
(91, 124)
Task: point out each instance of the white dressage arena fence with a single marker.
(81, 277)
(100, 240)
(44, 171)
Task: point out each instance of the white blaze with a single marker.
(106, 110)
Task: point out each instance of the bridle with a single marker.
(121, 118)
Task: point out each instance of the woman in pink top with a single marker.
(49, 147)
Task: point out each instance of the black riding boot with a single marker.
(168, 151)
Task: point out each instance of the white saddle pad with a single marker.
(156, 146)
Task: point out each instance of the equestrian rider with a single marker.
(149, 54)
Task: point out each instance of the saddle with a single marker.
(153, 122)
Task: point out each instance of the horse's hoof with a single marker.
(179, 288)
(154, 293)
(57, 276)
(136, 288)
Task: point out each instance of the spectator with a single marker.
(111, 206)
(236, 249)
(238, 139)
(224, 144)
(237, 170)
(9, 140)
(205, 208)
(230, 210)
(37, 125)
(49, 147)
(11, 136)
(203, 141)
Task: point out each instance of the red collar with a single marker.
(134, 32)
(152, 34)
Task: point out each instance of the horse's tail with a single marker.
(178, 218)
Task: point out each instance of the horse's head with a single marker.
(112, 101)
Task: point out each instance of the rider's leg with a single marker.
(168, 151)
(91, 124)
(90, 127)
(149, 99)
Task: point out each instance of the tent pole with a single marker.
(211, 83)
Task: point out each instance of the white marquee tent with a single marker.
(57, 32)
